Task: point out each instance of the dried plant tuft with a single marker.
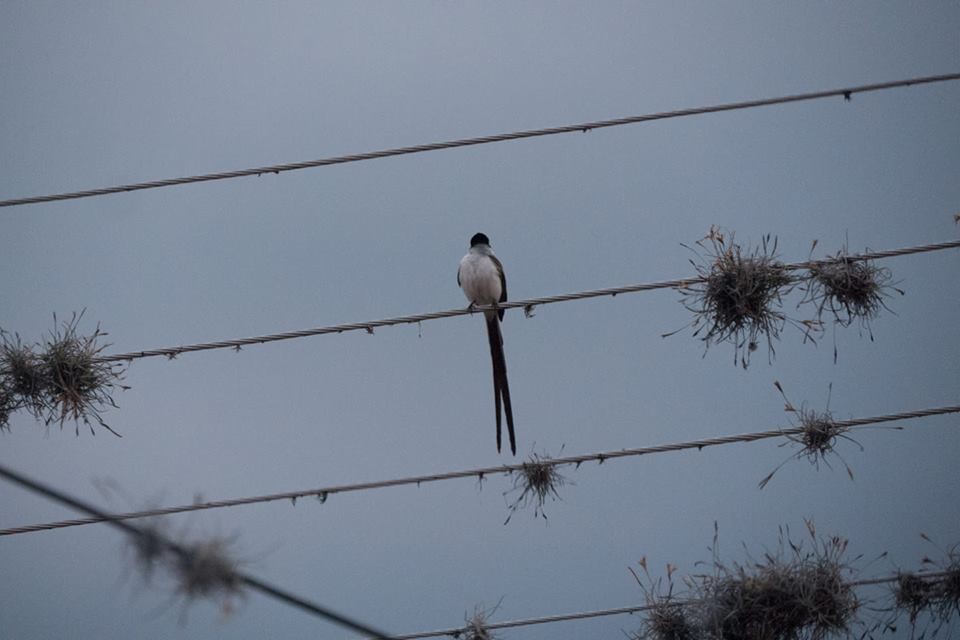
(930, 600)
(798, 591)
(62, 379)
(739, 299)
(818, 436)
(23, 381)
(667, 618)
(149, 549)
(537, 480)
(80, 386)
(207, 570)
(8, 404)
(476, 625)
(848, 289)
(795, 592)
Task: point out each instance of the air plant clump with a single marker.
(792, 593)
(802, 593)
(935, 595)
(62, 379)
(8, 404)
(207, 569)
(476, 625)
(817, 438)
(537, 480)
(80, 385)
(739, 297)
(667, 618)
(149, 548)
(667, 621)
(913, 594)
(23, 381)
(849, 289)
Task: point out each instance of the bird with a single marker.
(481, 277)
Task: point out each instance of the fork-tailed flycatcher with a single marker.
(481, 277)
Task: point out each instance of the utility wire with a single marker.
(530, 133)
(325, 492)
(457, 632)
(185, 554)
(370, 325)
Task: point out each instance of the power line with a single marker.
(598, 613)
(517, 135)
(370, 325)
(324, 493)
(186, 554)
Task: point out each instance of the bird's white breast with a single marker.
(480, 279)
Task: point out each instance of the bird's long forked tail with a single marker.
(501, 388)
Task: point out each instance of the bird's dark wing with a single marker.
(503, 283)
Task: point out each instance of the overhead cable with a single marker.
(370, 325)
(457, 632)
(846, 93)
(325, 492)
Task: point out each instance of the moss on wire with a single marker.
(740, 296)
(930, 602)
(476, 625)
(194, 568)
(667, 618)
(848, 290)
(23, 382)
(148, 550)
(208, 570)
(61, 379)
(797, 591)
(817, 439)
(536, 481)
(8, 404)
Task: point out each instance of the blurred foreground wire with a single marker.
(188, 557)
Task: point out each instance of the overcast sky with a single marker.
(97, 94)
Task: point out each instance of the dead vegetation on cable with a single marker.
(799, 591)
(929, 599)
(204, 568)
(536, 482)
(476, 625)
(668, 618)
(740, 296)
(59, 380)
(207, 570)
(819, 433)
(848, 290)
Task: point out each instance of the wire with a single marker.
(184, 553)
(530, 133)
(370, 325)
(325, 492)
(583, 615)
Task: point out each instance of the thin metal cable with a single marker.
(184, 553)
(370, 325)
(517, 135)
(583, 615)
(325, 492)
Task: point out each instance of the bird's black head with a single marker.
(479, 238)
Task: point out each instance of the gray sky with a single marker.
(109, 93)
